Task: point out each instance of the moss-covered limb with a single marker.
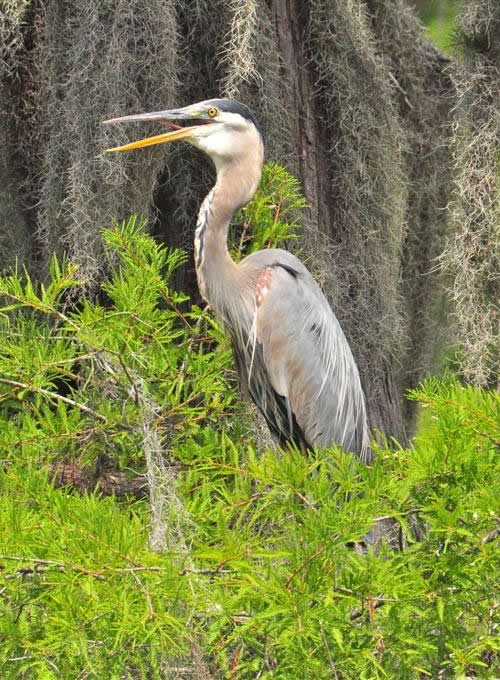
(92, 63)
(14, 195)
(14, 227)
(425, 95)
(472, 255)
(367, 196)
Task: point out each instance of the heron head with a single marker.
(222, 128)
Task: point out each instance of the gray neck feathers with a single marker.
(216, 271)
(212, 260)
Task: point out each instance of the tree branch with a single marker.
(53, 395)
(109, 482)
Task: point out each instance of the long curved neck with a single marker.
(217, 273)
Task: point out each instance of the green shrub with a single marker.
(440, 21)
(253, 564)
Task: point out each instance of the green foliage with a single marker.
(270, 218)
(294, 593)
(440, 18)
(94, 597)
(60, 362)
(264, 581)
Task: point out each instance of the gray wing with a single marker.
(307, 358)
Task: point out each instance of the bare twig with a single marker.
(304, 565)
(305, 501)
(358, 613)
(40, 566)
(328, 651)
(205, 571)
(41, 307)
(54, 395)
(78, 434)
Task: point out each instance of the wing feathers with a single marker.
(307, 359)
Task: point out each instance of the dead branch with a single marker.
(54, 395)
(107, 482)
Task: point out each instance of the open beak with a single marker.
(164, 117)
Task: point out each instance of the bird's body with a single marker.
(293, 357)
(290, 351)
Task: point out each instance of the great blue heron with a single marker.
(290, 351)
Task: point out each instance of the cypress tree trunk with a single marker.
(350, 98)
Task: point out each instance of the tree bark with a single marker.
(106, 482)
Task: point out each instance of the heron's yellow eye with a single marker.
(212, 112)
